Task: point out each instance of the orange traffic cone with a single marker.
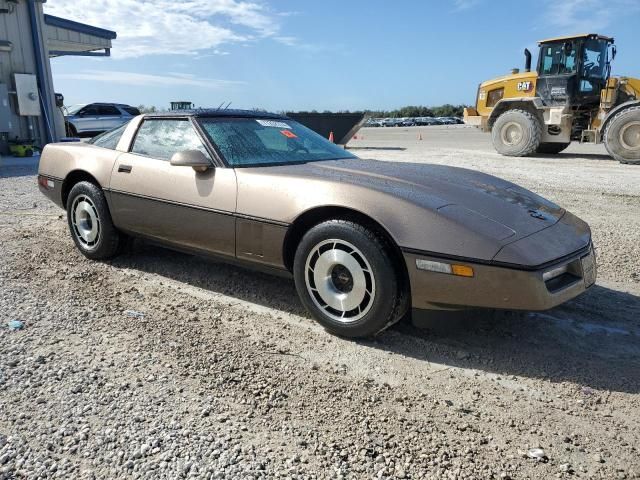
(331, 137)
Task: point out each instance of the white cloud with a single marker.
(171, 79)
(173, 26)
(461, 5)
(585, 16)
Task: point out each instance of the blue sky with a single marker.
(333, 55)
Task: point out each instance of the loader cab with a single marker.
(574, 70)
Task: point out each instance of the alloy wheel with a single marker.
(340, 280)
(86, 224)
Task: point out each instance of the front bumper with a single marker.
(501, 287)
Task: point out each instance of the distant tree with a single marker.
(145, 109)
(449, 110)
(446, 110)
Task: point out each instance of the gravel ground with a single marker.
(162, 365)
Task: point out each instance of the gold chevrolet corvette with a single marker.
(364, 240)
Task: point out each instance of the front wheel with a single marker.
(90, 222)
(516, 133)
(622, 137)
(345, 277)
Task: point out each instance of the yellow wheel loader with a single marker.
(571, 97)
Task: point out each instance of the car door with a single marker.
(108, 117)
(173, 204)
(86, 120)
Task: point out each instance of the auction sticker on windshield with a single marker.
(288, 134)
(273, 123)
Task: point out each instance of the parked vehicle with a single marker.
(389, 122)
(364, 240)
(426, 121)
(407, 122)
(93, 118)
(372, 122)
(446, 120)
(570, 96)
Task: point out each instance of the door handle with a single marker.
(124, 168)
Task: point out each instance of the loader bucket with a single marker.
(343, 125)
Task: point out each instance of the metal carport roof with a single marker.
(66, 37)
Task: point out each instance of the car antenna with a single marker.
(227, 106)
(220, 106)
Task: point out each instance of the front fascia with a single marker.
(490, 287)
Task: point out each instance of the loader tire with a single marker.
(622, 136)
(516, 133)
(552, 148)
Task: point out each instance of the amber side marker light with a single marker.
(441, 267)
(462, 270)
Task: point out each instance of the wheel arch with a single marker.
(74, 177)
(532, 105)
(310, 218)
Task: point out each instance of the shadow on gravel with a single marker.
(217, 277)
(593, 340)
(349, 147)
(572, 156)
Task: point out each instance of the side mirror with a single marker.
(191, 158)
(614, 50)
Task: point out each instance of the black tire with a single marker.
(70, 130)
(386, 297)
(526, 130)
(552, 148)
(622, 136)
(85, 205)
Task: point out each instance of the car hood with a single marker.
(460, 194)
(433, 208)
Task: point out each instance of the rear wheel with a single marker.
(552, 148)
(622, 137)
(90, 222)
(345, 277)
(70, 130)
(516, 133)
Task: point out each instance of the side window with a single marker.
(108, 110)
(89, 110)
(110, 138)
(556, 60)
(131, 111)
(160, 139)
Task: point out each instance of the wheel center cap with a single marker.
(342, 279)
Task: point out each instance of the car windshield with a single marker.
(245, 142)
(73, 109)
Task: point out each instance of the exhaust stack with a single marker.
(527, 60)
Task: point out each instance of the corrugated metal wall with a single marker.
(14, 26)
